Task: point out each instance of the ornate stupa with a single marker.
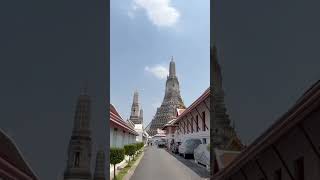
(79, 150)
(171, 102)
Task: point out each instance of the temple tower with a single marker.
(135, 109)
(222, 131)
(171, 101)
(99, 173)
(79, 149)
(141, 116)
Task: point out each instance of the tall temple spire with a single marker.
(217, 76)
(79, 150)
(99, 173)
(171, 101)
(172, 68)
(136, 97)
(223, 130)
(135, 109)
(141, 116)
(84, 89)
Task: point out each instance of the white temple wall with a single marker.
(119, 138)
(196, 113)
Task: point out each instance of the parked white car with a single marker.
(188, 146)
(202, 155)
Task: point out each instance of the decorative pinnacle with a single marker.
(135, 97)
(172, 67)
(85, 88)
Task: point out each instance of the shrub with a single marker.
(129, 150)
(116, 156)
(137, 147)
(140, 145)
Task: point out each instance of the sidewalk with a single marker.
(133, 168)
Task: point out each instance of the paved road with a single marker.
(158, 164)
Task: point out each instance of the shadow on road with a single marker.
(201, 171)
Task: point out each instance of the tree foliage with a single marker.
(116, 155)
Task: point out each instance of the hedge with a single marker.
(130, 150)
(116, 156)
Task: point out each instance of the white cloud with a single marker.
(158, 71)
(159, 12)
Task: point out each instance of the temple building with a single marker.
(136, 118)
(287, 150)
(194, 122)
(172, 100)
(121, 133)
(79, 151)
(12, 163)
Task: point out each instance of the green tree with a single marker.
(116, 156)
(130, 149)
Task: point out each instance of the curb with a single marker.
(131, 171)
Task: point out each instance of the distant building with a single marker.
(288, 150)
(170, 129)
(136, 118)
(121, 133)
(79, 150)
(12, 162)
(159, 135)
(172, 100)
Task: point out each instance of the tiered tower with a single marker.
(222, 132)
(135, 109)
(99, 173)
(171, 101)
(79, 150)
(136, 116)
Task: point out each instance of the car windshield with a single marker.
(193, 141)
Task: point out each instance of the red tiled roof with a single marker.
(13, 158)
(308, 103)
(224, 158)
(117, 120)
(204, 95)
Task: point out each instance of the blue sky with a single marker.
(144, 35)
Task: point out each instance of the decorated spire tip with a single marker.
(85, 88)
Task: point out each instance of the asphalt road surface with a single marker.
(158, 164)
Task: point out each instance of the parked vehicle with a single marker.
(188, 146)
(202, 155)
(175, 147)
(162, 143)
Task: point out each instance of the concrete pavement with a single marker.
(158, 164)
